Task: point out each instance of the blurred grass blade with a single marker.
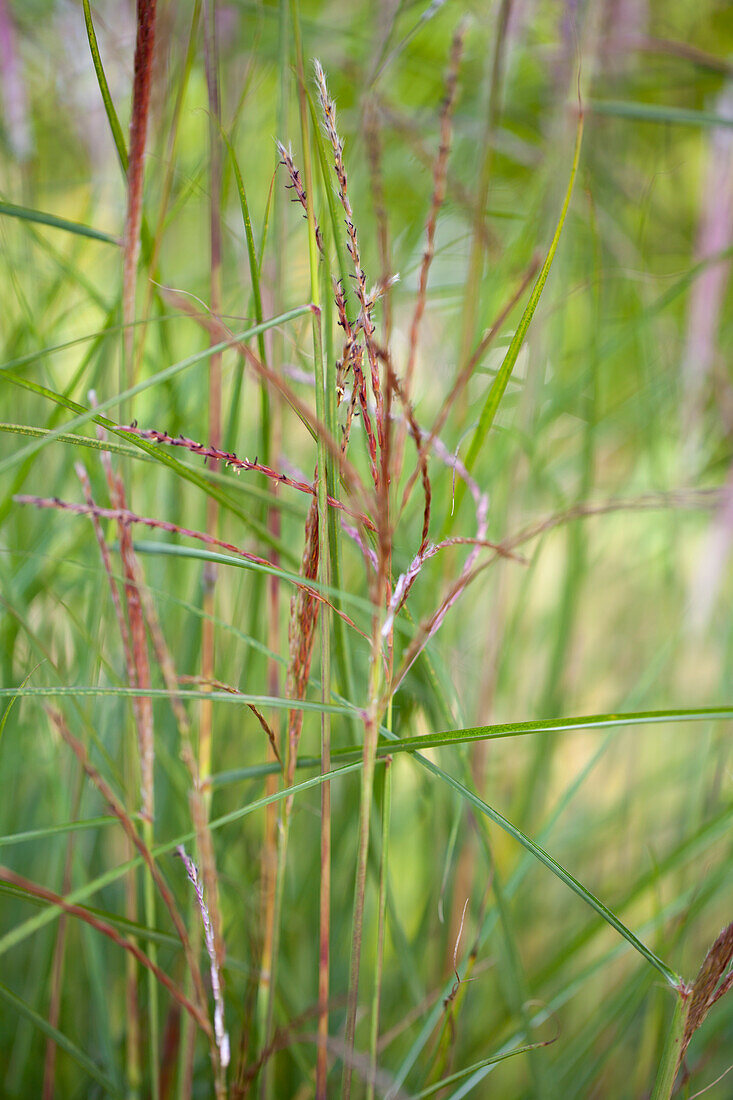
(556, 868)
(28, 927)
(688, 850)
(655, 112)
(56, 830)
(10, 210)
(501, 380)
(426, 15)
(461, 1074)
(254, 267)
(63, 1043)
(133, 927)
(109, 107)
(148, 383)
(11, 704)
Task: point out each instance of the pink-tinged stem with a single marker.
(142, 80)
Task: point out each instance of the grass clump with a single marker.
(365, 531)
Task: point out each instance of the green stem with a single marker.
(325, 412)
(266, 991)
(667, 1071)
(371, 733)
(381, 918)
(273, 836)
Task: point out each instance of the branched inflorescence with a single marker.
(234, 462)
(359, 335)
(126, 519)
(367, 301)
(212, 949)
(301, 636)
(359, 344)
(351, 359)
(296, 185)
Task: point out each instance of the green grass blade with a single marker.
(240, 563)
(254, 267)
(109, 107)
(556, 868)
(17, 1005)
(243, 699)
(655, 112)
(10, 210)
(128, 450)
(459, 1075)
(153, 453)
(22, 931)
(522, 729)
(11, 704)
(147, 383)
(56, 830)
(501, 380)
(131, 927)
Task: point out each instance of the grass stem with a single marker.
(674, 1046)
